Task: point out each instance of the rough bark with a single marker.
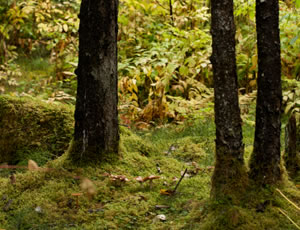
(230, 173)
(292, 150)
(265, 160)
(96, 116)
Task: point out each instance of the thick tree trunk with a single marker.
(96, 115)
(292, 147)
(265, 160)
(230, 174)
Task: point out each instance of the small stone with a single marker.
(38, 209)
(161, 217)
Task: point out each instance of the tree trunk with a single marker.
(265, 160)
(96, 116)
(292, 150)
(230, 175)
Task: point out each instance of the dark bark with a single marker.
(292, 153)
(96, 115)
(265, 160)
(230, 173)
(171, 11)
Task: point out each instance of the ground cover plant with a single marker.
(45, 197)
(161, 178)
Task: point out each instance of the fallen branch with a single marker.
(179, 180)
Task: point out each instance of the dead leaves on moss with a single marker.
(88, 187)
(32, 165)
(148, 178)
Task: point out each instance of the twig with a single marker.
(158, 3)
(282, 212)
(288, 199)
(12, 167)
(179, 180)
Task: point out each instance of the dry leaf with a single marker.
(152, 177)
(139, 179)
(88, 187)
(166, 192)
(116, 177)
(32, 165)
(12, 179)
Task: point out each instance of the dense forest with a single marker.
(150, 114)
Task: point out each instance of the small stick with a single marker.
(179, 180)
(282, 212)
(288, 199)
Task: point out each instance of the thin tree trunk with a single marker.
(230, 174)
(265, 160)
(292, 153)
(96, 116)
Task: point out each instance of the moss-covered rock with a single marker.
(30, 128)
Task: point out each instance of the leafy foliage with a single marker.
(291, 99)
(164, 51)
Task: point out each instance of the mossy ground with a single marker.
(32, 129)
(43, 200)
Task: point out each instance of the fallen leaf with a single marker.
(161, 217)
(88, 187)
(32, 165)
(38, 209)
(152, 177)
(139, 179)
(166, 192)
(12, 179)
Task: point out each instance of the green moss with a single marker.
(31, 129)
(131, 205)
(135, 143)
(258, 210)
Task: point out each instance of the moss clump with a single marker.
(259, 209)
(189, 150)
(133, 142)
(130, 205)
(33, 129)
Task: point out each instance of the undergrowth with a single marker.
(46, 200)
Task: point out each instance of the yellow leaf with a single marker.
(88, 187)
(65, 26)
(252, 83)
(291, 96)
(134, 97)
(166, 192)
(135, 88)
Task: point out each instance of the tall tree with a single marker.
(230, 172)
(292, 147)
(265, 160)
(96, 116)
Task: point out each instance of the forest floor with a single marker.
(53, 196)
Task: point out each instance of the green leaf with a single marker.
(171, 67)
(183, 70)
(289, 107)
(294, 39)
